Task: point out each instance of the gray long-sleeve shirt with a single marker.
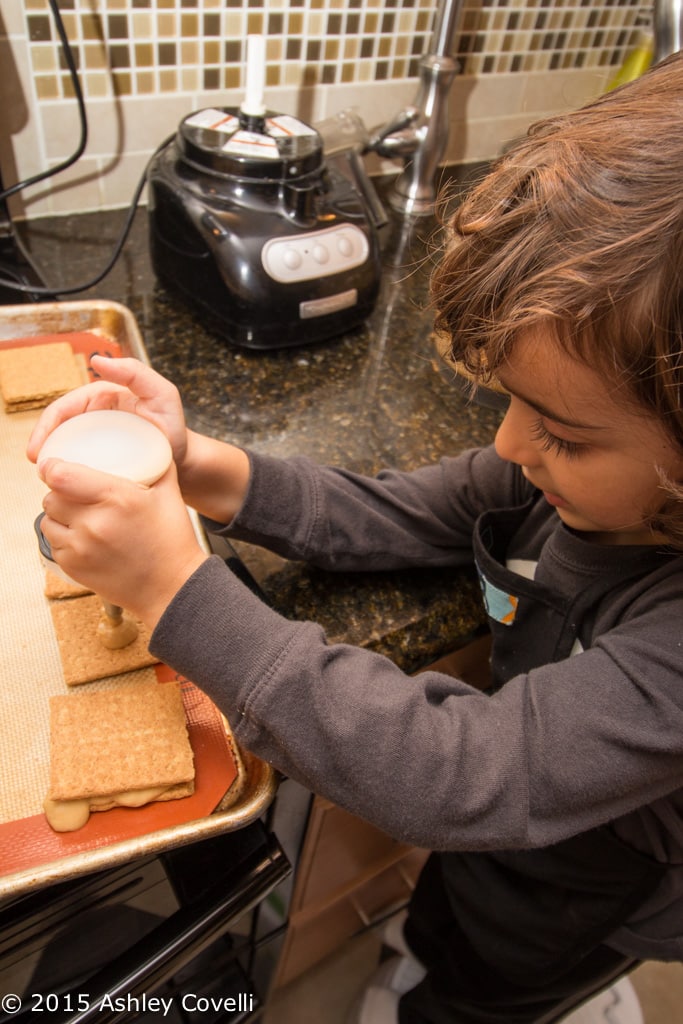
(560, 748)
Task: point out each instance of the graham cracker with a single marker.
(117, 741)
(57, 588)
(82, 654)
(32, 376)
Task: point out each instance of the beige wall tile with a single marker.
(57, 196)
(507, 80)
(12, 19)
(550, 91)
(121, 180)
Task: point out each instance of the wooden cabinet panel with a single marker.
(350, 875)
(339, 850)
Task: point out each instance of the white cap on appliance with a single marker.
(252, 104)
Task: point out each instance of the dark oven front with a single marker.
(178, 937)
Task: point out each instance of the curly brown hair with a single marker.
(580, 227)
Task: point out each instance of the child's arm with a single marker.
(430, 760)
(340, 520)
(330, 517)
(213, 477)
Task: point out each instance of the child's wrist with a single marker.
(213, 476)
(191, 469)
(154, 607)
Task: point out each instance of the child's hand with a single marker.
(126, 384)
(213, 475)
(134, 546)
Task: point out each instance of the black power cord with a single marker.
(73, 290)
(71, 64)
(39, 290)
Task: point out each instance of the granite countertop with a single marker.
(374, 397)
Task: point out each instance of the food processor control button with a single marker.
(313, 254)
(345, 245)
(292, 259)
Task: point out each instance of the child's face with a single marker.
(593, 455)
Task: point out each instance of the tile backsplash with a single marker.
(145, 64)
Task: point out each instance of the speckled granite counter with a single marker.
(372, 398)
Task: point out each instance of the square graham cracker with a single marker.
(117, 741)
(58, 589)
(33, 376)
(83, 655)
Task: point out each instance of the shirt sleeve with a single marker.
(339, 520)
(427, 758)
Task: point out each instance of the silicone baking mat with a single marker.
(30, 672)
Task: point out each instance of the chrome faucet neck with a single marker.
(668, 28)
(418, 134)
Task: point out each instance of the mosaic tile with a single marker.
(328, 41)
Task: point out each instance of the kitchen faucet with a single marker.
(668, 27)
(419, 133)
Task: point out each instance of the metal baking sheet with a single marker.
(32, 651)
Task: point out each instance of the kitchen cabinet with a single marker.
(350, 875)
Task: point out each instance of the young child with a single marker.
(555, 801)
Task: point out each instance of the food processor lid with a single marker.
(276, 147)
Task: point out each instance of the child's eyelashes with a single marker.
(551, 443)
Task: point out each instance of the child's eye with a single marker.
(552, 443)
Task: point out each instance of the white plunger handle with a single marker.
(114, 442)
(253, 105)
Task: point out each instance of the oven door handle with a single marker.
(176, 941)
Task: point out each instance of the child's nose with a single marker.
(513, 441)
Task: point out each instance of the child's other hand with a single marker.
(134, 546)
(125, 384)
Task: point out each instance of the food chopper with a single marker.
(251, 221)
